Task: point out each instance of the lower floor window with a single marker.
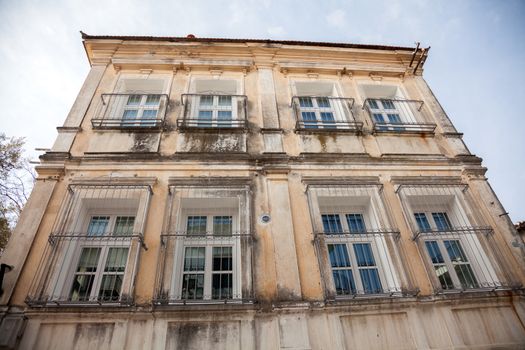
(354, 269)
(451, 264)
(207, 273)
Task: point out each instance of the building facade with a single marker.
(239, 194)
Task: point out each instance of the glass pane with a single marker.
(422, 222)
(124, 225)
(116, 260)
(134, 100)
(388, 104)
(455, 251)
(222, 225)
(328, 119)
(373, 104)
(442, 221)
(355, 223)
(110, 287)
(331, 223)
(225, 101)
(206, 101)
(338, 255)
(371, 281)
(394, 118)
(222, 284)
(344, 282)
(378, 118)
(194, 259)
(152, 100)
(88, 260)
(466, 276)
(205, 115)
(149, 114)
(309, 119)
(305, 102)
(222, 259)
(196, 225)
(98, 225)
(192, 286)
(81, 289)
(224, 119)
(323, 102)
(130, 114)
(364, 255)
(434, 252)
(444, 277)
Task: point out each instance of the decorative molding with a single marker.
(426, 180)
(114, 180)
(230, 181)
(340, 180)
(375, 76)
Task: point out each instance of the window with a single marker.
(141, 110)
(94, 247)
(385, 114)
(215, 111)
(454, 246)
(317, 112)
(356, 243)
(206, 247)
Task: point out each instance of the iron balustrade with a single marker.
(462, 259)
(213, 112)
(324, 113)
(363, 264)
(398, 116)
(131, 111)
(171, 269)
(80, 270)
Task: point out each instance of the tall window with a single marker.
(316, 112)
(385, 112)
(141, 110)
(215, 110)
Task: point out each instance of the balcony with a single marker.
(398, 116)
(131, 111)
(324, 114)
(213, 112)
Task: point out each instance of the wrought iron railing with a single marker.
(462, 259)
(324, 113)
(77, 269)
(398, 116)
(365, 264)
(131, 111)
(177, 284)
(213, 112)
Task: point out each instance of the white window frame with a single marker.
(215, 108)
(141, 107)
(201, 241)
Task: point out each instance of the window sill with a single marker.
(119, 124)
(404, 128)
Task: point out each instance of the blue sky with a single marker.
(476, 64)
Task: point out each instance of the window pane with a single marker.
(85, 274)
(378, 118)
(323, 102)
(442, 221)
(224, 118)
(328, 119)
(444, 276)
(331, 223)
(81, 289)
(206, 101)
(394, 118)
(364, 255)
(205, 115)
(124, 225)
(355, 223)
(422, 222)
(194, 259)
(134, 100)
(196, 225)
(222, 258)
(338, 255)
(305, 102)
(149, 114)
(371, 281)
(116, 260)
(110, 287)
(130, 114)
(98, 225)
(222, 284)
(388, 104)
(152, 100)
(222, 225)
(434, 252)
(455, 251)
(193, 286)
(373, 104)
(88, 260)
(225, 101)
(466, 276)
(344, 282)
(309, 119)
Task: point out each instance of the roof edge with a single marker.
(262, 41)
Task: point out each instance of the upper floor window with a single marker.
(94, 247)
(136, 103)
(318, 106)
(390, 111)
(450, 236)
(213, 104)
(206, 248)
(357, 244)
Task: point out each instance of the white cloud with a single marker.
(336, 18)
(276, 31)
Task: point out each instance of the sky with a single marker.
(475, 67)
